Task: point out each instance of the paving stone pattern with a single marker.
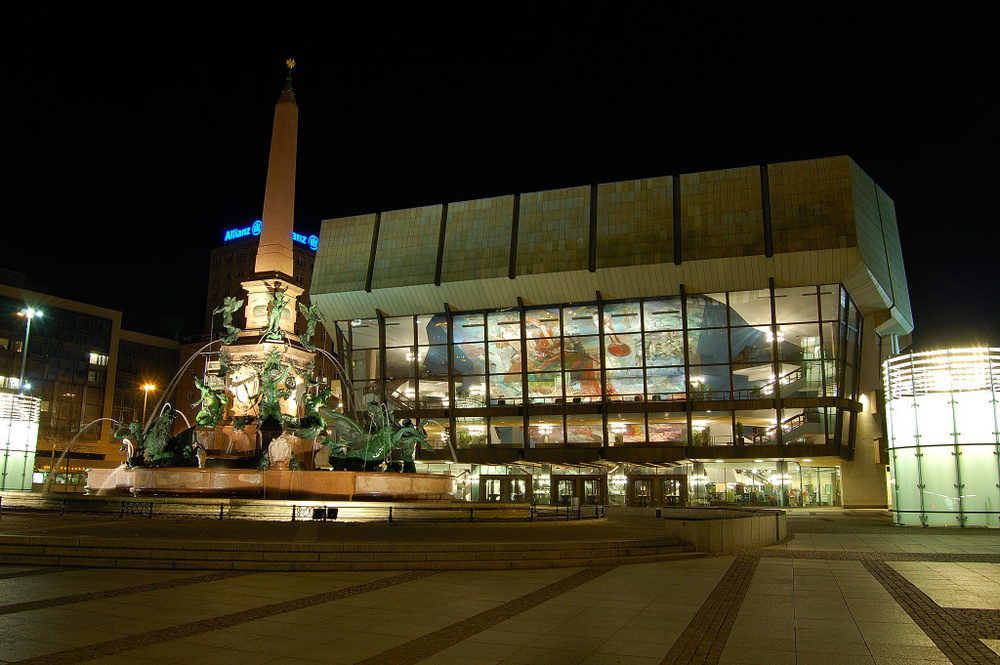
(831, 598)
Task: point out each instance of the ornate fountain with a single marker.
(266, 429)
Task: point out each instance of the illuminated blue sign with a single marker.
(254, 230)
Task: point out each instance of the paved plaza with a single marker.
(848, 588)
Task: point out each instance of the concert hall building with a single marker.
(704, 338)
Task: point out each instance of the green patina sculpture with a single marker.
(156, 446)
(269, 394)
(313, 316)
(384, 441)
(212, 405)
(228, 307)
(313, 422)
(278, 302)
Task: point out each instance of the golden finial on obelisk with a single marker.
(290, 63)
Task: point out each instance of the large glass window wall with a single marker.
(761, 482)
(747, 347)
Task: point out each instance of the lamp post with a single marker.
(28, 313)
(146, 387)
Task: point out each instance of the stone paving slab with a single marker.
(841, 599)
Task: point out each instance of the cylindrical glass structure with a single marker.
(941, 410)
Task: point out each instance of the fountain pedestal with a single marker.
(270, 484)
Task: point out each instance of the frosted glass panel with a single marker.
(976, 418)
(980, 485)
(907, 498)
(939, 474)
(935, 419)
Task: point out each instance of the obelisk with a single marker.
(275, 259)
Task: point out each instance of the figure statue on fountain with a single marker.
(313, 316)
(229, 306)
(269, 395)
(278, 301)
(212, 403)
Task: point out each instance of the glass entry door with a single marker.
(673, 492)
(492, 489)
(565, 490)
(518, 490)
(642, 491)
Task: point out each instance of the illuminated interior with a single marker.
(742, 348)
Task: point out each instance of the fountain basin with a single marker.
(270, 484)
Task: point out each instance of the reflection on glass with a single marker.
(625, 428)
(507, 431)
(707, 311)
(505, 324)
(752, 307)
(663, 314)
(623, 350)
(505, 357)
(541, 323)
(665, 348)
(584, 429)
(545, 431)
(795, 304)
(470, 358)
(504, 387)
(580, 320)
(364, 333)
(664, 383)
(668, 428)
(399, 331)
(625, 383)
(469, 328)
(622, 317)
(543, 354)
(545, 385)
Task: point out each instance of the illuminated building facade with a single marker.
(941, 409)
(703, 338)
(81, 366)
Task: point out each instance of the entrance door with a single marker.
(592, 491)
(642, 491)
(565, 490)
(492, 489)
(518, 492)
(673, 492)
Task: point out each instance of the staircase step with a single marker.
(191, 555)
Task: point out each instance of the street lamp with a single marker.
(146, 388)
(28, 313)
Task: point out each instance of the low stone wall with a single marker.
(725, 530)
(269, 484)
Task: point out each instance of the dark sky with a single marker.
(136, 142)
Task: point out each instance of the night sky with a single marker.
(134, 147)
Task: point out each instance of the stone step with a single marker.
(193, 555)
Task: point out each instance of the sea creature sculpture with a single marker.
(384, 441)
(212, 404)
(155, 446)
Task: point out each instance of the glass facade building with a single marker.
(702, 338)
(943, 436)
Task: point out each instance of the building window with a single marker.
(98, 359)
